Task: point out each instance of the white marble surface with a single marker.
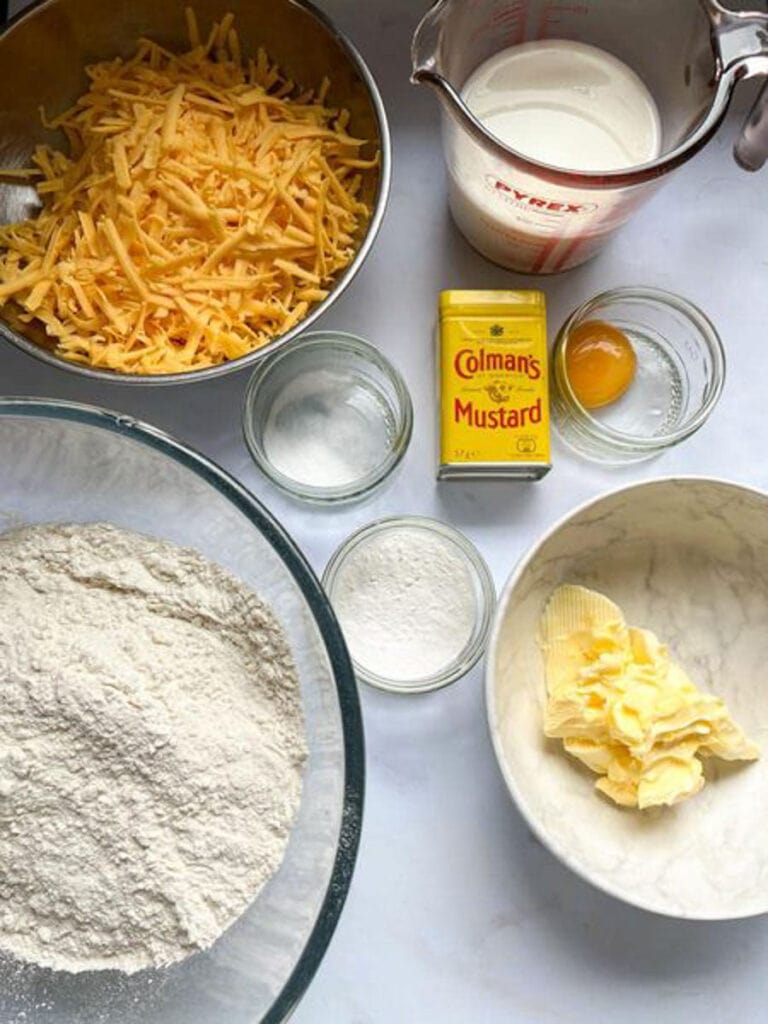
(456, 913)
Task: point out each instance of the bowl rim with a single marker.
(340, 286)
(346, 687)
(560, 852)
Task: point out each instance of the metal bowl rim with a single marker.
(340, 286)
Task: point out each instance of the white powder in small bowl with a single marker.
(407, 598)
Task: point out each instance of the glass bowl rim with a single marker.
(363, 485)
(228, 487)
(618, 438)
(484, 611)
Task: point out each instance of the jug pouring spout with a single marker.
(427, 67)
(425, 46)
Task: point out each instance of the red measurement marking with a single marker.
(509, 19)
(513, 19)
(570, 251)
(544, 254)
(555, 14)
(510, 13)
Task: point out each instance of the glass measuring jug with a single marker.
(538, 218)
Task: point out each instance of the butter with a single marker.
(625, 709)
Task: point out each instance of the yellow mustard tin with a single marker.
(494, 385)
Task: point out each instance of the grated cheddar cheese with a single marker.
(205, 205)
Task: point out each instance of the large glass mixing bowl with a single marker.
(64, 462)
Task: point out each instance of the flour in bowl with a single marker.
(151, 748)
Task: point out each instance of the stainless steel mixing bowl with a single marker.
(44, 51)
(63, 462)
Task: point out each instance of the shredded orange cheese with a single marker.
(205, 205)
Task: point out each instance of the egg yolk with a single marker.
(600, 363)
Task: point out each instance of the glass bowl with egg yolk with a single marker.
(635, 371)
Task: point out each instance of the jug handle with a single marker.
(751, 149)
(742, 41)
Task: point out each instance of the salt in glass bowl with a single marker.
(356, 412)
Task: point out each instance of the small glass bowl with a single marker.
(320, 368)
(679, 378)
(484, 594)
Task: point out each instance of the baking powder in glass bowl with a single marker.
(414, 600)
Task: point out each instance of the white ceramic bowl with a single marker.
(688, 558)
